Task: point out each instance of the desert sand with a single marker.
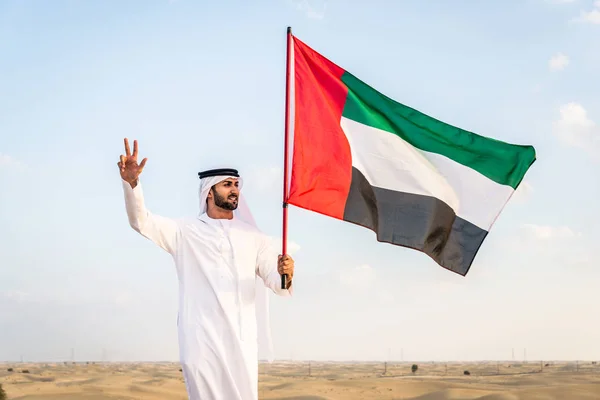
(314, 381)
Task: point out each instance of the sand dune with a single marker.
(314, 381)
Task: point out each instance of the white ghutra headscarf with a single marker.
(207, 180)
(243, 211)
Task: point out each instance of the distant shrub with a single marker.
(467, 373)
(414, 368)
(10, 370)
(2, 393)
(25, 371)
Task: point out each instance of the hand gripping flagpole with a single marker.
(284, 277)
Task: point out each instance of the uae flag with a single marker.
(417, 182)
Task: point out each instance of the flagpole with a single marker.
(285, 151)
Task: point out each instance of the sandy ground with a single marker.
(314, 381)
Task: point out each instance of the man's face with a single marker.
(226, 194)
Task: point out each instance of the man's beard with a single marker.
(226, 203)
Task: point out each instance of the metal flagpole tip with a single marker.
(289, 29)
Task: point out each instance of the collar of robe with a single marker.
(213, 221)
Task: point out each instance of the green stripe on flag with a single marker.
(501, 162)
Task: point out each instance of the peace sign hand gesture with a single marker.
(128, 166)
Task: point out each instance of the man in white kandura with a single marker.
(224, 267)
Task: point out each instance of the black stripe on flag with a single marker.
(423, 223)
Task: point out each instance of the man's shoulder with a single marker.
(237, 223)
(242, 223)
(187, 221)
(263, 239)
(247, 227)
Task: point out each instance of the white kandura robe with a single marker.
(217, 262)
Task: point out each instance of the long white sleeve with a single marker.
(267, 268)
(161, 230)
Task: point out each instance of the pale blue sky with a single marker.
(201, 84)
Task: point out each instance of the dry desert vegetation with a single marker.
(314, 381)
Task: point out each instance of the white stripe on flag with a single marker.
(389, 162)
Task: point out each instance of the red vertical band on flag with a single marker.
(321, 163)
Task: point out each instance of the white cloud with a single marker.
(123, 298)
(309, 8)
(292, 246)
(523, 192)
(575, 128)
(547, 232)
(592, 16)
(362, 277)
(385, 296)
(558, 62)
(15, 295)
(8, 161)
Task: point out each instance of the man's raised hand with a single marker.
(128, 166)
